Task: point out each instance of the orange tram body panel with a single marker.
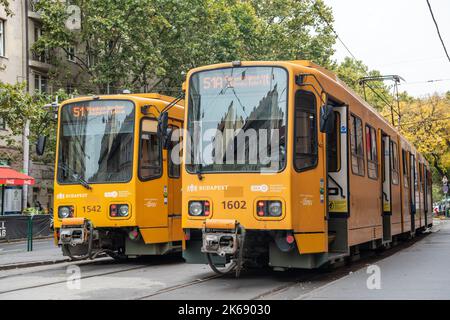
(116, 192)
(343, 178)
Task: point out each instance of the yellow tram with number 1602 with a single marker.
(286, 166)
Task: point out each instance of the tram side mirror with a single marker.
(163, 125)
(327, 119)
(40, 145)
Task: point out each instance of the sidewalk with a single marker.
(417, 272)
(15, 253)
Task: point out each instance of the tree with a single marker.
(6, 7)
(17, 106)
(426, 123)
(376, 93)
(139, 44)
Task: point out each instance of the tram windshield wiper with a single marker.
(199, 171)
(76, 175)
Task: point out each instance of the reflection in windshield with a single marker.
(237, 119)
(96, 141)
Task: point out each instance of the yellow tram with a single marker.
(116, 191)
(330, 176)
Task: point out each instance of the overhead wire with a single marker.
(437, 29)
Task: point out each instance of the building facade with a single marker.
(45, 72)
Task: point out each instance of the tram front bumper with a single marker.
(220, 236)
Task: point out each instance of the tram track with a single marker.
(65, 281)
(180, 286)
(294, 281)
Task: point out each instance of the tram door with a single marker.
(425, 192)
(337, 182)
(173, 194)
(412, 189)
(386, 186)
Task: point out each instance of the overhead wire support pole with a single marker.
(396, 78)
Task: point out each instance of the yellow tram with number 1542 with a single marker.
(286, 166)
(116, 190)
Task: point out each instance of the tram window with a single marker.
(394, 162)
(356, 142)
(174, 158)
(405, 168)
(414, 169)
(333, 146)
(150, 151)
(421, 185)
(372, 152)
(305, 131)
(429, 181)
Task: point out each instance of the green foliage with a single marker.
(376, 93)
(133, 43)
(6, 7)
(17, 106)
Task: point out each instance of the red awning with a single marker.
(11, 177)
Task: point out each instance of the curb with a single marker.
(25, 240)
(32, 264)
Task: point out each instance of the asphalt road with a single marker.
(417, 272)
(411, 270)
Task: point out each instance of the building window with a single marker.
(372, 152)
(356, 142)
(394, 163)
(71, 54)
(40, 83)
(2, 124)
(305, 131)
(2, 38)
(42, 56)
(70, 89)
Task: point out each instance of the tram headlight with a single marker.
(275, 208)
(119, 210)
(196, 208)
(124, 210)
(65, 212)
(269, 208)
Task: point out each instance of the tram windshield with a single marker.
(237, 119)
(96, 141)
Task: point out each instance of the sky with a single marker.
(397, 37)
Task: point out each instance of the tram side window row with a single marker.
(356, 142)
(305, 131)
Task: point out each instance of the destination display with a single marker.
(239, 81)
(84, 111)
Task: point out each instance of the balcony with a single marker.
(41, 61)
(32, 10)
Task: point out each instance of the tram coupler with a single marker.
(220, 236)
(74, 231)
(225, 238)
